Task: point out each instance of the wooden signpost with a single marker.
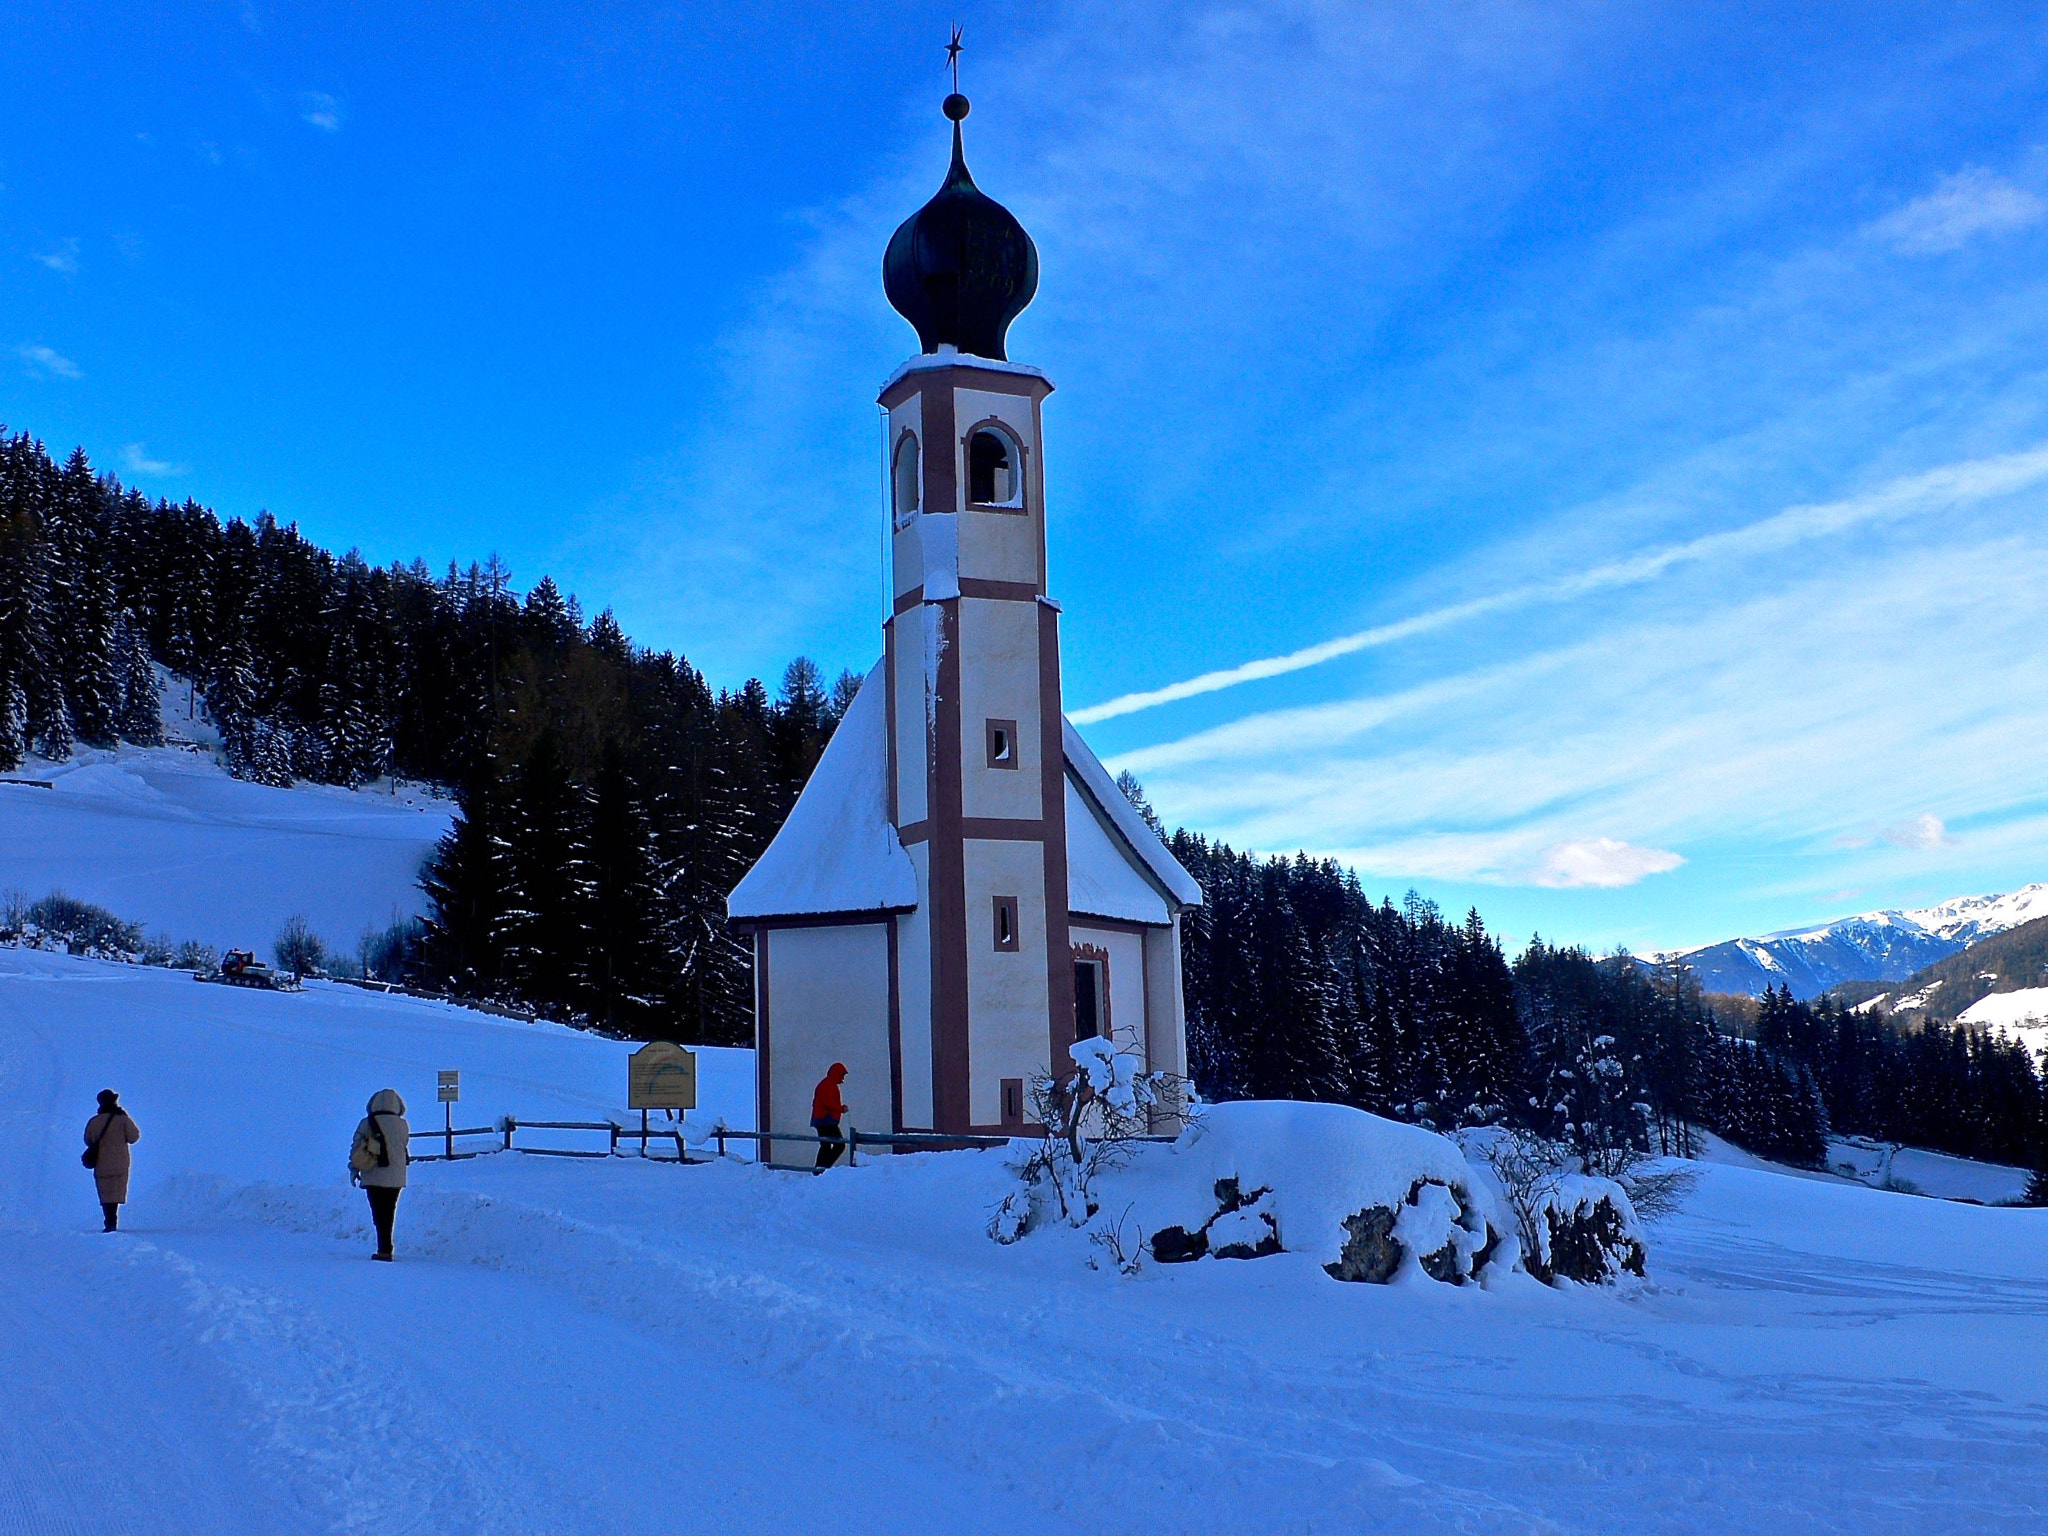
(450, 1092)
(661, 1076)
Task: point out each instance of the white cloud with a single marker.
(1944, 488)
(1779, 705)
(62, 257)
(1923, 831)
(1604, 862)
(136, 460)
(47, 363)
(1970, 203)
(321, 110)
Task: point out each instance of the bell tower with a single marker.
(976, 766)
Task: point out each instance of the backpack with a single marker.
(362, 1157)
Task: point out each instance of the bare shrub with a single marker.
(298, 948)
(1091, 1119)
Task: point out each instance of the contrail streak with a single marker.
(1948, 486)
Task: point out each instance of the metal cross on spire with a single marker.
(953, 52)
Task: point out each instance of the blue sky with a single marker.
(1586, 461)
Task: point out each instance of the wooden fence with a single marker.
(506, 1131)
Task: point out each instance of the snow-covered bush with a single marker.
(60, 922)
(1366, 1198)
(1589, 1232)
(1091, 1118)
(195, 956)
(1568, 1225)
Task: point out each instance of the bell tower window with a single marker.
(903, 478)
(995, 469)
(1002, 743)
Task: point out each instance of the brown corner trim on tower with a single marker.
(889, 748)
(947, 884)
(763, 1083)
(1052, 773)
(895, 1035)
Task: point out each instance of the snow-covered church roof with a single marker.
(837, 854)
(837, 851)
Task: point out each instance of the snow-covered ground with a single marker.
(579, 1347)
(165, 838)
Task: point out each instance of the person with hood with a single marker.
(377, 1161)
(827, 1110)
(108, 1136)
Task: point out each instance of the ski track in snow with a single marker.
(606, 1346)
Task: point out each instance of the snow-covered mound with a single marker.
(1871, 946)
(166, 839)
(572, 1346)
(1308, 1178)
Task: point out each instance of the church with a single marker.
(961, 891)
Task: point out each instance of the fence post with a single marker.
(721, 1139)
(852, 1146)
(510, 1126)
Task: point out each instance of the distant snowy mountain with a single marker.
(1872, 946)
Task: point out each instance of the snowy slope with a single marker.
(166, 839)
(2021, 1015)
(1872, 946)
(584, 1347)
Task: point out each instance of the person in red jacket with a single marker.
(827, 1110)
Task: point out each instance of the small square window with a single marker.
(1006, 924)
(1002, 743)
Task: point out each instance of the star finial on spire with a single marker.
(953, 52)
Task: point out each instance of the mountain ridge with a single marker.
(1887, 945)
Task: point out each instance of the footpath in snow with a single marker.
(575, 1347)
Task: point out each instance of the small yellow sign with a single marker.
(450, 1087)
(661, 1076)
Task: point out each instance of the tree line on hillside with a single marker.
(608, 796)
(1299, 986)
(608, 799)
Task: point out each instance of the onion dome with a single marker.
(961, 268)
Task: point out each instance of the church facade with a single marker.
(961, 891)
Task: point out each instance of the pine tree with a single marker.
(546, 924)
(844, 690)
(13, 724)
(461, 943)
(142, 720)
(622, 972)
(55, 741)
